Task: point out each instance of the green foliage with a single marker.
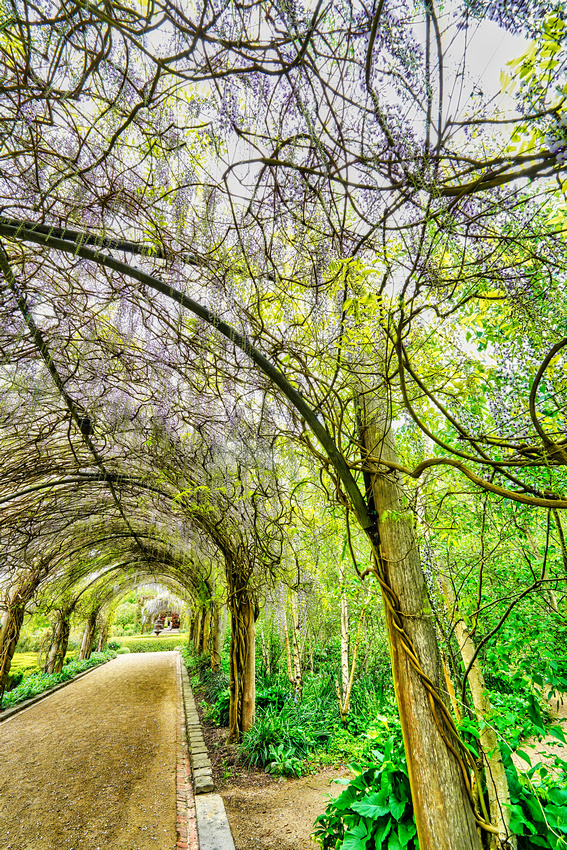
(284, 763)
(374, 811)
(539, 805)
(163, 643)
(303, 726)
(218, 713)
(14, 680)
(32, 641)
(127, 619)
(36, 683)
(26, 662)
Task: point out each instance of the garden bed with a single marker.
(37, 684)
(267, 812)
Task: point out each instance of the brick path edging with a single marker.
(187, 837)
(206, 826)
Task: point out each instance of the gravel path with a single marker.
(93, 766)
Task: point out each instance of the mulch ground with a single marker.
(94, 766)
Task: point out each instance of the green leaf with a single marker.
(394, 842)
(557, 732)
(356, 838)
(557, 817)
(371, 807)
(379, 834)
(397, 807)
(558, 796)
(524, 756)
(535, 715)
(406, 832)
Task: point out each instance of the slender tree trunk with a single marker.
(287, 646)
(297, 672)
(88, 636)
(344, 635)
(266, 655)
(450, 688)
(242, 655)
(206, 631)
(442, 803)
(216, 643)
(563, 544)
(197, 630)
(62, 651)
(496, 780)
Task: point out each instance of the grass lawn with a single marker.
(25, 661)
(151, 643)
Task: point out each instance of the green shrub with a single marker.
(123, 651)
(36, 683)
(218, 712)
(152, 644)
(284, 763)
(539, 805)
(14, 680)
(374, 810)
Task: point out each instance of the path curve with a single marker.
(94, 766)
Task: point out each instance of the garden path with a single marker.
(94, 765)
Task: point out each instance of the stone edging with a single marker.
(6, 713)
(187, 838)
(212, 823)
(200, 762)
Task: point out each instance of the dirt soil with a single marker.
(93, 766)
(267, 813)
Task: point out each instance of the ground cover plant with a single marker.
(36, 683)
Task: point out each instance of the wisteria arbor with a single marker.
(262, 221)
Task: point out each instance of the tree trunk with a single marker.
(266, 654)
(64, 642)
(287, 646)
(443, 810)
(206, 631)
(103, 637)
(496, 781)
(59, 641)
(13, 618)
(88, 636)
(9, 634)
(216, 643)
(197, 630)
(297, 672)
(242, 657)
(344, 636)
